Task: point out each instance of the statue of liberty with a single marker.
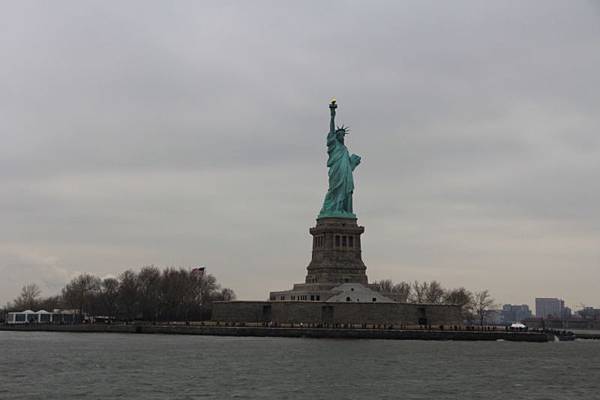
(338, 201)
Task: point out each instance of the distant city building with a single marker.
(512, 313)
(589, 313)
(549, 307)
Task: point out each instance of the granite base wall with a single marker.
(336, 313)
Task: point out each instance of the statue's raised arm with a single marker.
(332, 107)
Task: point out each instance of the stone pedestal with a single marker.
(336, 272)
(336, 254)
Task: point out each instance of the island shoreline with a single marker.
(297, 332)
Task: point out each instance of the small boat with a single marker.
(565, 336)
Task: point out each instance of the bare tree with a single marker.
(175, 293)
(384, 285)
(149, 287)
(80, 293)
(482, 303)
(50, 303)
(419, 292)
(401, 292)
(109, 297)
(205, 288)
(29, 297)
(463, 298)
(425, 292)
(227, 294)
(128, 299)
(434, 293)
(4, 311)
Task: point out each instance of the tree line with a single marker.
(171, 294)
(177, 294)
(475, 306)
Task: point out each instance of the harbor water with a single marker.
(50, 365)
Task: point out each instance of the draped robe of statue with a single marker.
(338, 200)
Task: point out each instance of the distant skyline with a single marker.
(193, 133)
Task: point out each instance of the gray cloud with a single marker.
(193, 133)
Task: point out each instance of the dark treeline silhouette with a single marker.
(171, 294)
(474, 305)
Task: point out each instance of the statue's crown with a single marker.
(345, 129)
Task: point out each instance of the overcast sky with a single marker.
(193, 133)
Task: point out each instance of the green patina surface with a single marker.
(338, 200)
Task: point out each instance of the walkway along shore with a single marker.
(297, 332)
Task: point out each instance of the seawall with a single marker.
(337, 333)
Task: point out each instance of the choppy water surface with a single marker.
(35, 365)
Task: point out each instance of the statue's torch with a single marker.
(333, 104)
